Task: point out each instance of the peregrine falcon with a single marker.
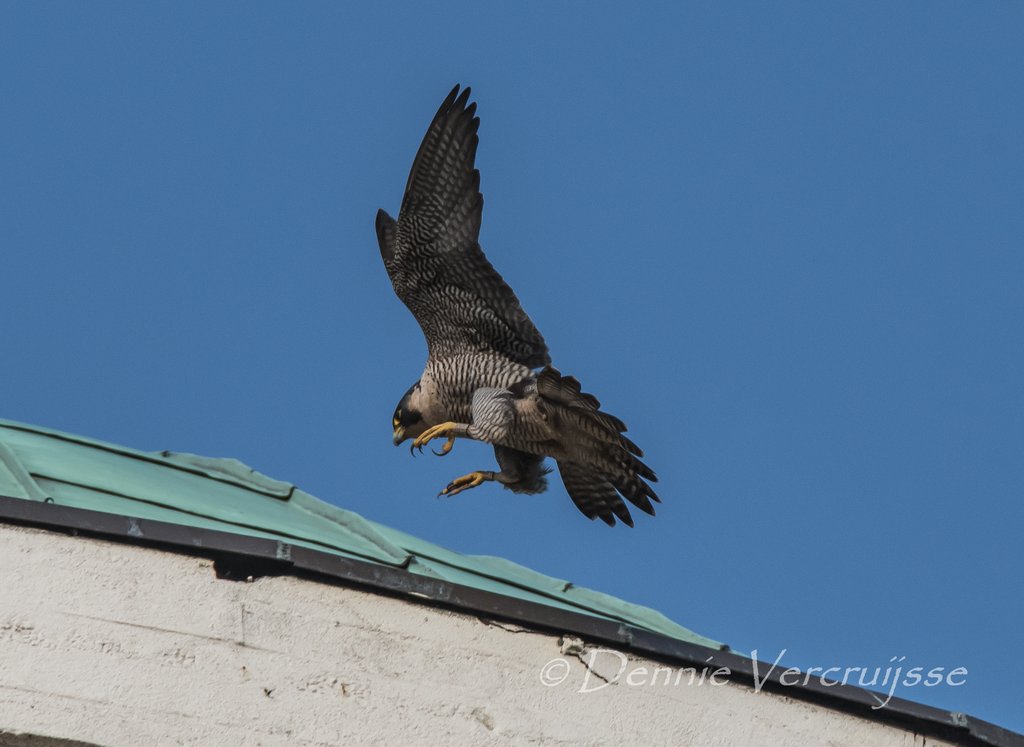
(488, 375)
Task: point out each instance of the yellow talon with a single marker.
(456, 486)
(435, 431)
(447, 446)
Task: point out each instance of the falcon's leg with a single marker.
(526, 471)
(473, 479)
(448, 430)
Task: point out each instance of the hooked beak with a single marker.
(399, 435)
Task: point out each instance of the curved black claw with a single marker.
(446, 449)
(466, 482)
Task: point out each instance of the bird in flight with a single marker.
(488, 375)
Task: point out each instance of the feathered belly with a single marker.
(451, 382)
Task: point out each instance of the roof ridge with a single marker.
(226, 494)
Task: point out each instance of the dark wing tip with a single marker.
(448, 101)
(460, 102)
(450, 116)
(594, 495)
(456, 106)
(624, 516)
(385, 226)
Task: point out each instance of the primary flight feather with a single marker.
(481, 380)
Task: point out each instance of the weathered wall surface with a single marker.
(119, 645)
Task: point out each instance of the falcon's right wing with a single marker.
(432, 253)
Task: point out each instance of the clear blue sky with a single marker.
(784, 242)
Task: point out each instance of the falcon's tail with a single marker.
(603, 463)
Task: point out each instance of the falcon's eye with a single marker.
(397, 420)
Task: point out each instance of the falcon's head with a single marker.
(408, 419)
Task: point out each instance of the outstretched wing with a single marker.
(433, 256)
(601, 462)
(593, 495)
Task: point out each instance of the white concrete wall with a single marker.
(120, 645)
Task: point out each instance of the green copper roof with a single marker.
(223, 494)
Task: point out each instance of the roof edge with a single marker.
(281, 558)
(222, 469)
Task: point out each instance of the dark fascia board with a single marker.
(248, 555)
